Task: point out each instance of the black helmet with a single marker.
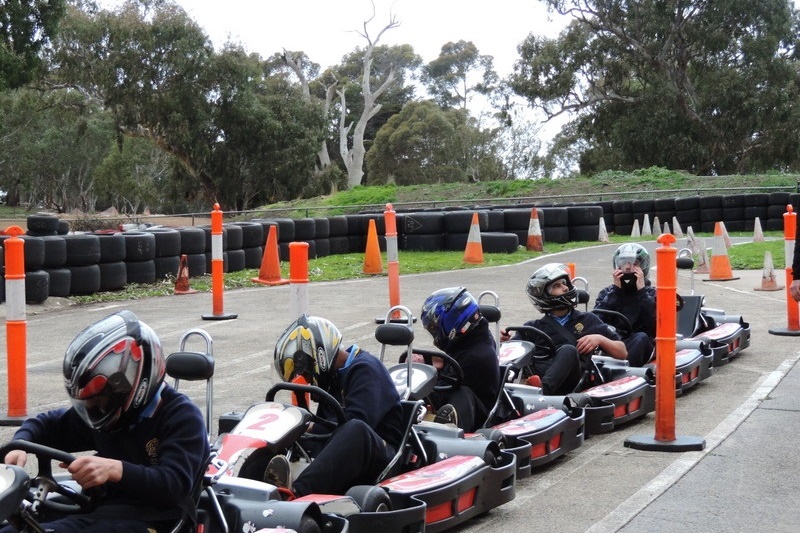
(308, 348)
(448, 314)
(112, 370)
(539, 283)
(634, 254)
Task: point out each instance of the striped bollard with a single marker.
(217, 269)
(792, 328)
(16, 326)
(298, 278)
(392, 263)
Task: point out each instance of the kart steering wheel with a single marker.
(320, 395)
(446, 381)
(616, 320)
(44, 483)
(536, 333)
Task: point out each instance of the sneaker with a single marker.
(534, 381)
(446, 415)
(279, 473)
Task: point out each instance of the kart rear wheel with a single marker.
(308, 525)
(370, 499)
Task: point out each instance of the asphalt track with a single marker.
(745, 479)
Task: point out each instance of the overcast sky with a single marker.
(326, 29)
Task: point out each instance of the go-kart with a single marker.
(437, 480)
(536, 432)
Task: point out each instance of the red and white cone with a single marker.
(534, 243)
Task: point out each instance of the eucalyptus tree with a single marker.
(458, 72)
(427, 144)
(704, 86)
(26, 28)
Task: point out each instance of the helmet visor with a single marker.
(626, 261)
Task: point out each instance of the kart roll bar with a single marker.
(194, 366)
(685, 261)
(491, 312)
(398, 333)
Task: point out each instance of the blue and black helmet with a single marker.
(448, 314)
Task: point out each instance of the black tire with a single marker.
(779, 198)
(555, 234)
(305, 229)
(285, 229)
(234, 236)
(37, 286)
(339, 245)
(711, 214)
(461, 221)
(55, 251)
(113, 276)
(519, 219)
(423, 224)
(644, 206)
(167, 267)
(554, 217)
(355, 225)
(733, 200)
(253, 257)
(422, 243)
(82, 249)
(584, 216)
(710, 202)
(63, 227)
(454, 242)
(756, 199)
(141, 271)
(622, 206)
(168, 241)
(197, 264)
(236, 260)
(380, 223)
(84, 279)
(43, 224)
(497, 221)
(209, 237)
(139, 246)
(193, 240)
(252, 234)
(499, 242)
(322, 228)
(370, 498)
(308, 525)
(584, 233)
(34, 252)
(60, 281)
(322, 247)
(338, 226)
(623, 219)
(112, 247)
(664, 204)
(690, 202)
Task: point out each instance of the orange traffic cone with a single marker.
(534, 243)
(474, 251)
(768, 279)
(270, 271)
(372, 256)
(182, 281)
(720, 264)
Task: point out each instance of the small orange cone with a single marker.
(182, 281)
(474, 251)
(372, 256)
(720, 264)
(534, 243)
(758, 233)
(768, 278)
(270, 271)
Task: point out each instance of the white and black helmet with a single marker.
(539, 284)
(112, 370)
(634, 254)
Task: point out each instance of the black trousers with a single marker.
(353, 455)
(640, 348)
(560, 373)
(82, 524)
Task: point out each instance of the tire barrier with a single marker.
(155, 253)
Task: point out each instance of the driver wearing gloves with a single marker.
(150, 441)
(357, 451)
(632, 295)
(575, 334)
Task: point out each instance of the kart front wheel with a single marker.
(370, 499)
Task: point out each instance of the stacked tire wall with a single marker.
(62, 264)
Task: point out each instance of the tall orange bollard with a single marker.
(298, 278)
(792, 311)
(16, 324)
(392, 263)
(666, 335)
(217, 273)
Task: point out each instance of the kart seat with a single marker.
(689, 316)
(194, 366)
(410, 445)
